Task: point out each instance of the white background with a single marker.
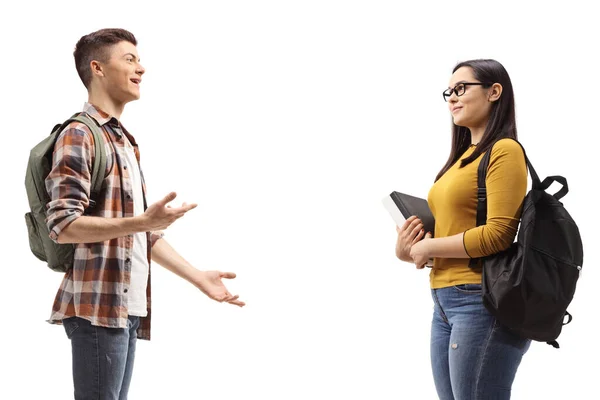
(287, 122)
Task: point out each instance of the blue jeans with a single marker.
(473, 357)
(102, 358)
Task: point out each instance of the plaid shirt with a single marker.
(96, 287)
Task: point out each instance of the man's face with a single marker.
(123, 73)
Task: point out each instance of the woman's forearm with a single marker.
(447, 247)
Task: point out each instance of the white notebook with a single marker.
(394, 211)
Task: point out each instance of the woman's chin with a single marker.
(457, 121)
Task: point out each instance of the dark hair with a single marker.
(501, 123)
(96, 46)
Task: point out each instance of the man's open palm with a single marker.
(209, 282)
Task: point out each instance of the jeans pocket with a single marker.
(70, 325)
(469, 288)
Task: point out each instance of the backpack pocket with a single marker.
(35, 241)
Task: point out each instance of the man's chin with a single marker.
(131, 97)
(135, 96)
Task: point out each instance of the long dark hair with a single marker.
(501, 123)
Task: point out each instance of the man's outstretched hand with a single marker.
(209, 282)
(160, 215)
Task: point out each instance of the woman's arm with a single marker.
(506, 183)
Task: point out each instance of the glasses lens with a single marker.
(460, 89)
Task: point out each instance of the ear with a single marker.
(495, 92)
(96, 68)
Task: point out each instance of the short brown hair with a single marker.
(95, 46)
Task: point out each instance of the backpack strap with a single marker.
(99, 151)
(554, 343)
(551, 179)
(482, 189)
(481, 196)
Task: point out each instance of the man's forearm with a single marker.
(97, 229)
(167, 257)
(209, 282)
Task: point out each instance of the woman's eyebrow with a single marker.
(457, 83)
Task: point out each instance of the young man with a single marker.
(104, 300)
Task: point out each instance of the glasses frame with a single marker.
(465, 84)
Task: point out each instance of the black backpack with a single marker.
(529, 286)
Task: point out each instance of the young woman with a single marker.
(472, 355)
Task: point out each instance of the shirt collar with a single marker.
(100, 116)
(103, 118)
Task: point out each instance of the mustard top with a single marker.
(453, 202)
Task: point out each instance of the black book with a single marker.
(402, 206)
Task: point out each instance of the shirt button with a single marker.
(125, 167)
(128, 196)
(125, 290)
(128, 260)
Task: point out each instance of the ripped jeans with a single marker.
(473, 357)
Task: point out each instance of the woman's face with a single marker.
(472, 108)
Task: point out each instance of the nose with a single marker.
(140, 70)
(452, 100)
(453, 97)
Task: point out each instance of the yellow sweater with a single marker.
(453, 202)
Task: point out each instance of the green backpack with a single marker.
(58, 256)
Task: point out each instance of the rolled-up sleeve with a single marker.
(506, 183)
(154, 236)
(68, 183)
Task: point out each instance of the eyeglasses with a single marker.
(461, 88)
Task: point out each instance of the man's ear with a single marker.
(495, 92)
(96, 68)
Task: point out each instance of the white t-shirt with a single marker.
(136, 296)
